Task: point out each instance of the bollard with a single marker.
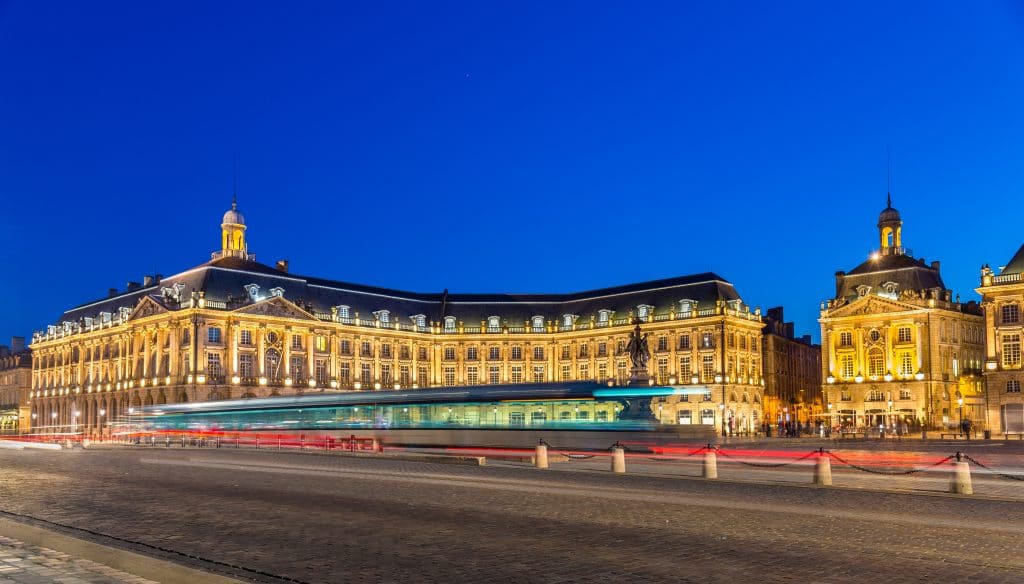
(540, 459)
(960, 483)
(823, 470)
(710, 464)
(257, 443)
(618, 458)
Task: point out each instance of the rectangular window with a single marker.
(321, 372)
(903, 334)
(566, 352)
(743, 342)
(404, 377)
(1011, 314)
(297, 341)
(213, 368)
(846, 366)
(707, 368)
(685, 373)
(297, 368)
(707, 417)
(245, 338)
(366, 374)
(602, 371)
(472, 375)
(1011, 350)
(449, 353)
(321, 343)
(471, 354)
(906, 364)
(707, 341)
(494, 353)
(904, 394)
(684, 417)
(422, 376)
(584, 371)
(662, 343)
(876, 364)
(538, 353)
(1013, 386)
(213, 335)
(367, 349)
(602, 349)
(423, 353)
(566, 372)
(449, 376)
(345, 373)
(517, 374)
(662, 369)
(845, 339)
(494, 374)
(245, 366)
(517, 353)
(404, 352)
(385, 375)
(385, 350)
(345, 347)
(684, 342)
(538, 374)
(584, 350)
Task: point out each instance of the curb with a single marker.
(126, 561)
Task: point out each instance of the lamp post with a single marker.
(960, 403)
(831, 422)
(890, 414)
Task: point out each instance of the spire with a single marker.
(888, 200)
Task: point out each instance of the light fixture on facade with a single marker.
(357, 385)
(671, 380)
(288, 381)
(859, 378)
(718, 378)
(311, 382)
(991, 365)
(919, 376)
(235, 379)
(694, 379)
(398, 386)
(376, 385)
(262, 380)
(334, 384)
(190, 378)
(103, 413)
(167, 381)
(888, 376)
(142, 382)
(200, 378)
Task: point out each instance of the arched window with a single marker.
(538, 324)
(876, 363)
(493, 324)
(449, 324)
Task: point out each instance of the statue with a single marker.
(639, 353)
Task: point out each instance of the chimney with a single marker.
(158, 278)
(935, 265)
(282, 266)
(132, 286)
(111, 292)
(17, 344)
(147, 281)
(839, 282)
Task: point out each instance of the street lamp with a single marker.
(960, 402)
(721, 408)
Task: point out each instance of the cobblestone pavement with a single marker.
(330, 518)
(21, 563)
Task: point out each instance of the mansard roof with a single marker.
(1016, 263)
(229, 280)
(905, 271)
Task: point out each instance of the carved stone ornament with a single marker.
(276, 306)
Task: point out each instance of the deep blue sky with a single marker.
(505, 147)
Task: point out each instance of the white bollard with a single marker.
(823, 471)
(618, 459)
(710, 465)
(960, 483)
(540, 459)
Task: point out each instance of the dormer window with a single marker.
(735, 304)
(343, 311)
(891, 288)
(863, 290)
(686, 307)
(643, 310)
(253, 291)
(493, 324)
(383, 316)
(124, 311)
(568, 320)
(538, 324)
(105, 317)
(420, 320)
(277, 291)
(449, 324)
(603, 316)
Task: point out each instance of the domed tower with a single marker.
(232, 228)
(890, 227)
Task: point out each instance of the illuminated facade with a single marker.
(15, 385)
(235, 328)
(1002, 299)
(792, 372)
(896, 346)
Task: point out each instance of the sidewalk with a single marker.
(32, 555)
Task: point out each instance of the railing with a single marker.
(1006, 278)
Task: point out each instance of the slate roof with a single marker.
(908, 273)
(1016, 263)
(225, 279)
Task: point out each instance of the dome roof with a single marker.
(233, 215)
(889, 214)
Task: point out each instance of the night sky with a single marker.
(505, 146)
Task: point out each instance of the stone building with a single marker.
(15, 385)
(1002, 298)
(792, 372)
(896, 345)
(236, 328)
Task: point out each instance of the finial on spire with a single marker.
(888, 200)
(234, 202)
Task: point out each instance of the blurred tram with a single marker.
(569, 415)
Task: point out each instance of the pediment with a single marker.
(276, 306)
(147, 307)
(871, 305)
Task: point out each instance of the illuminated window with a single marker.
(366, 374)
(493, 353)
(566, 372)
(296, 369)
(707, 368)
(876, 363)
(568, 320)
(420, 320)
(906, 364)
(904, 394)
(903, 334)
(449, 324)
(449, 376)
(494, 374)
(321, 343)
(383, 316)
(385, 374)
(345, 373)
(517, 374)
(662, 369)
(517, 353)
(602, 371)
(844, 395)
(493, 324)
(297, 341)
(345, 347)
(684, 418)
(213, 368)
(845, 339)
(603, 316)
(684, 341)
(1011, 350)
(743, 342)
(472, 376)
(538, 324)
(584, 371)
(1011, 314)
(343, 312)
(213, 335)
(321, 372)
(566, 352)
(875, 395)
(404, 378)
(449, 353)
(245, 366)
(685, 307)
(1013, 386)
(422, 373)
(538, 353)
(707, 341)
(684, 369)
(245, 338)
(538, 373)
(731, 340)
(846, 366)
